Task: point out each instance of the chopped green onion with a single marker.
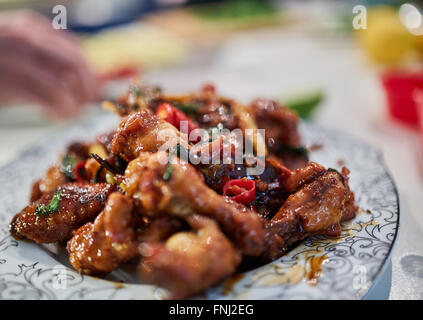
(135, 90)
(178, 150)
(168, 173)
(68, 163)
(53, 206)
(187, 108)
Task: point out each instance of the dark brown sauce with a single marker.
(229, 284)
(313, 274)
(315, 147)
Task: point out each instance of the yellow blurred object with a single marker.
(92, 166)
(110, 178)
(134, 46)
(386, 40)
(98, 149)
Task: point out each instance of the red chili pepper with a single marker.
(240, 190)
(174, 116)
(76, 171)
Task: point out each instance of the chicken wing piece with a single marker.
(143, 131)
(78, 204)
(317, 208)
(301, 176)
(100, 247)
(189, 262)
(178, 189)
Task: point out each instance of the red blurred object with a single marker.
(400, 88)
(418, 96)
(120, 73)
(174, 116)
(78, 171)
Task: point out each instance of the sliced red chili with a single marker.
(78, 171)
(240, 190)
(174, 116)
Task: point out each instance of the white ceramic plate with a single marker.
(349, 264)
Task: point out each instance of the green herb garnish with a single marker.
(68, 163)
(135, 90)
(168, 173)
(53, 206)
(157, 89)
(179, 151)
(187, 108)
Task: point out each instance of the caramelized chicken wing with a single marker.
(142, 131)
(100, 247)
(103, 245)
(79, 203)
(189, 262)
(317, 208)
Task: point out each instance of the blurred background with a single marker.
(351, 70)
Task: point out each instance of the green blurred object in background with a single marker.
(304, 104)
(233, 9)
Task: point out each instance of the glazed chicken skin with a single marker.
(318, 207)
(184, 193)
(191, 261)
(143, 132)
(79, 203)
(101, 246)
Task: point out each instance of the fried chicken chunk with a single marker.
(189, 262)
(79, 203)
(178, 189)
(142, 131)
(100, 247)
(317, 207)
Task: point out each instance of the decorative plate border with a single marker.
(349, 264)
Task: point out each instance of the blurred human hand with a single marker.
(41, 65)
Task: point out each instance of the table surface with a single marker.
(276, 63)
